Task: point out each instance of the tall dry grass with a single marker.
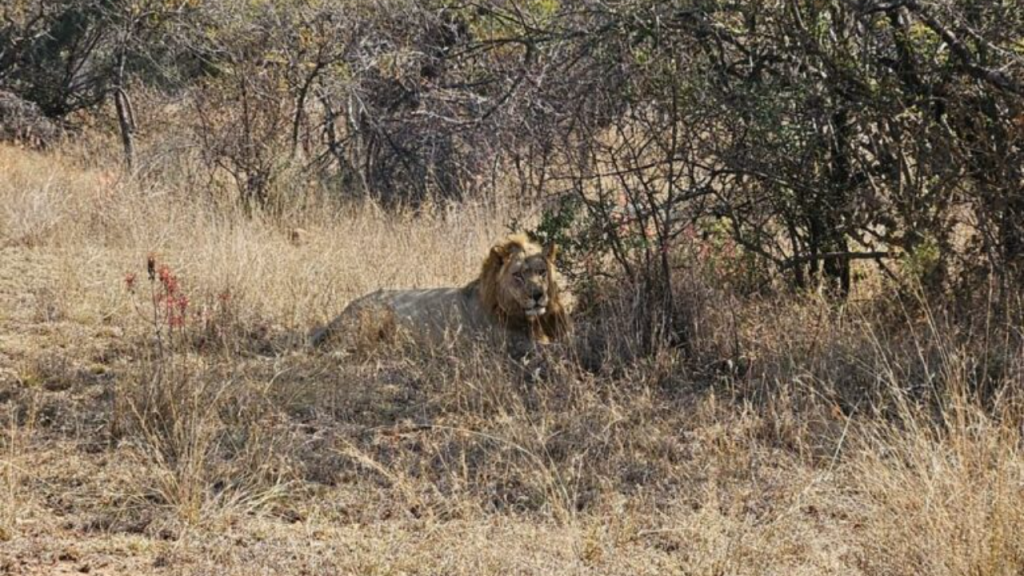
(791, 437)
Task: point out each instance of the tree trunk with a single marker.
(126, 120)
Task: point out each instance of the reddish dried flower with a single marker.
(129, 280)
(151, 266)
(176, 308)
(224, 296)
(168, 279)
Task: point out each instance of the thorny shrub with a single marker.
(609, 265)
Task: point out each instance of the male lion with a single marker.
(515, 295)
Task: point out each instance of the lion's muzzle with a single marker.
(536, 306)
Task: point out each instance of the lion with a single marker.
(516, 296)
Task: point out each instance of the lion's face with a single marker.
(517, 284)
(526, 280)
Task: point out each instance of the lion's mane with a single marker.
(494, 292)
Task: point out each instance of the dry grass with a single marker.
(796, 439)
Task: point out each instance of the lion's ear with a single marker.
(500, 252)
(551, 252)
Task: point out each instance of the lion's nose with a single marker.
(536, 294)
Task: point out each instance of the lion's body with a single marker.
(515, 298)
(424, 314)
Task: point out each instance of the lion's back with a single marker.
(421, 314)
(432, 312)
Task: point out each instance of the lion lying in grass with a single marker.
(515, 297)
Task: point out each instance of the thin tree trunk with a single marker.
(125, 114)
(126, 120)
